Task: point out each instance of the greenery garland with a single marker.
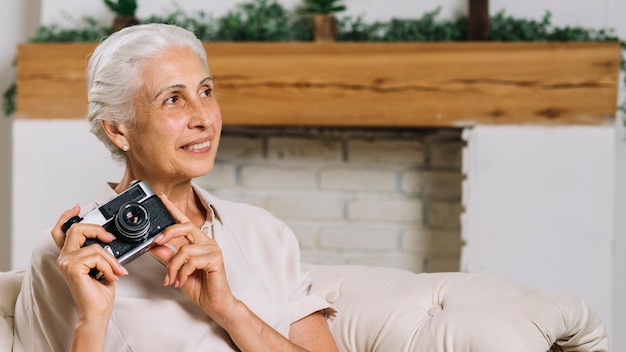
(268, 20)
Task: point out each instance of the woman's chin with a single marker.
(200, 172)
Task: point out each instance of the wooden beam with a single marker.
(478, 20)
(366, 84)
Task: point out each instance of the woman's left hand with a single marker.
(197, 267)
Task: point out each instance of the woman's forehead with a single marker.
(173, 68)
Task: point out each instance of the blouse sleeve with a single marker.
(302, 300)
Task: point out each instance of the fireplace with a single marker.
(378, 196)
(537, 173)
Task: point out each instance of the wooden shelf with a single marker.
(366, 84)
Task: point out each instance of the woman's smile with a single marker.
(198, 147)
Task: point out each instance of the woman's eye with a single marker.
(206, 92)
(172, 100)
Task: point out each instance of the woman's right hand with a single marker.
(93, 298)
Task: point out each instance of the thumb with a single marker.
(163, 253)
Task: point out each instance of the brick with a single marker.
(304, 149)
(444, 135)
(359, 238)
(443, 215)
(386, 151)
(446, 242)
(309, 207)
(222, 175)
(391, 210)
(410, 262)
(306, 234)
(240, 148)
(235, 195)
(443, 264)
(358, 180)
(353, 198)
(446, 155)
(308, 255)
(277, 176)
(314, 256)
(432, 184)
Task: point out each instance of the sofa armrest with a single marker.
(387, 309)
(10, 284)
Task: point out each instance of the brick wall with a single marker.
(389, 197)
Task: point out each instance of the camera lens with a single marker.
(132, 221)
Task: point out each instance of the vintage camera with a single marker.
(135, 216)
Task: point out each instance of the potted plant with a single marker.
(124, 13)
(324, 21)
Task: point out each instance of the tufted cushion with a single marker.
(10, 283)
(450, 312)
(385, 309)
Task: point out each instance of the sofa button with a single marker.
(434, 310)
(332, 296)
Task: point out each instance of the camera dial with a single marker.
(132, 221)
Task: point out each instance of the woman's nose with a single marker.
(201, 116)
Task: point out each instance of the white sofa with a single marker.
(392, 310)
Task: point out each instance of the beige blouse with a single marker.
(262, 261)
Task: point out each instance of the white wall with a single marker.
(18, 20)
(43, 185)
(56, 164)
(540, 208)
(619, 246)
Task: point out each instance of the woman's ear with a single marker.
(115, 132)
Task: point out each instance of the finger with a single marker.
(192, 258)
(58, 235)
(188, 232)
(83, 261)
(163, 253)
(166, 247)
(190, 266)
(79, 232)
(111, 269)
(116, 267)
(178, 215)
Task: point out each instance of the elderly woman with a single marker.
(225, 277)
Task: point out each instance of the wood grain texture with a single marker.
(366, 84)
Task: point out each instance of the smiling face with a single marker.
(178, 121)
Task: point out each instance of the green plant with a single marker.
(355, 29)
(429, 27)
(425, 28)
(257, 20)
(503, 27)
(122, 7)
(201, 24)
(322, 6)
(8, 99)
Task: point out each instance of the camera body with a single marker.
(135, 216)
